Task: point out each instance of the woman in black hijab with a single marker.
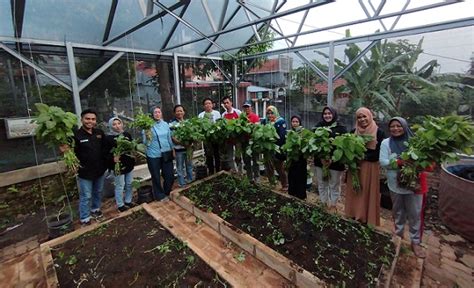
(297, 170)
(329, 189)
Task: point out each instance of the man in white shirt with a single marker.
(211, 150)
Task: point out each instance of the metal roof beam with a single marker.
(175, 25)
(99, 71)
(459, 23)
(357, 58)
(312, 66)
(110, 20)
(263, 19)
(223, 27)
(5, 39)
(205, 6)
(187, 24)
(18, 13)
(413, 10)
(147, 20)
(34, 66)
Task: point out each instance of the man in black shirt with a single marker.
(90, 149)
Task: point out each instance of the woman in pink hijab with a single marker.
(364, 205)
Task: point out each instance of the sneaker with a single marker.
(86, 223)
(97, 214)
(123, 208)
(166, 199)
(131, 204)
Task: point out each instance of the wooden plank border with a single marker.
(285, 267)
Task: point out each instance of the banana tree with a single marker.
(386, 76)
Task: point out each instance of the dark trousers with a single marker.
(157, 169)
(297, 176)
(213, 160)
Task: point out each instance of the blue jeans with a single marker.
(181, 161)
(123, 183)
(158, 168)
(90, 189)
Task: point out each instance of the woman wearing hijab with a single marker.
(364, 205)
(123, 182)
(329, 189)
(407, 204)
(182, 160)
(159, 156)
(273, 117)
(297, 170)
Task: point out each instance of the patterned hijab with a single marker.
(370, 130)
(275, 112)
(397, 144)
(112, 131)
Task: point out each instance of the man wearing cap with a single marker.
(250, 162)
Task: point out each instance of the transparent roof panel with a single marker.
(6, 24)
(71, 20)
(149, 37)
(127, 15)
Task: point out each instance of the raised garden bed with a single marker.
(314, 248)
(132, 251)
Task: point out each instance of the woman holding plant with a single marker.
(120, 162)
(273, 117)
(180, 150)
(297, 169)
(159, 156)
(407, 204)
(364, 204)
(329, 173)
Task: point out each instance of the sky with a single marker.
(452, 48)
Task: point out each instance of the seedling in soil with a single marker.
(198, 221)
(226, 214)
(71, 260)
(240, 257)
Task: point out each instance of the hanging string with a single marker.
(28, 111)
(130, 83)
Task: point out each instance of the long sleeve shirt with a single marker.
(385, 158)
(160, 141)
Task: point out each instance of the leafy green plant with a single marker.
(145, 122)
(349, 149)
(321, 147)
(435, 141)
(55, 128)
(124, 146)
(297, 144)
(190, 131)
(263, 141)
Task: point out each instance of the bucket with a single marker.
(145, 194)
(59, 225)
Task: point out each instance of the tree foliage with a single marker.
(386, 76)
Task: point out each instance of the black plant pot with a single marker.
(145, 194)
(201, 172)
(59, 225)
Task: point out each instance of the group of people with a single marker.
(93, 148)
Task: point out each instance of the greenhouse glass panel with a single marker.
(6, 24)
(70, 20)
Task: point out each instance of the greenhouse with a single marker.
(191, 211)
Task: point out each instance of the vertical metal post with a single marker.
(330, 98)
(235, 87)
(177, 89)
(75, 86)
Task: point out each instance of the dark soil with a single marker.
(133, 251)
(337, 251)
(27, 226)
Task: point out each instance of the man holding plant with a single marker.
(91, 151)
(227, 150)
(211, 150)
(251, 162)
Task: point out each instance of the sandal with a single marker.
(418, 250)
